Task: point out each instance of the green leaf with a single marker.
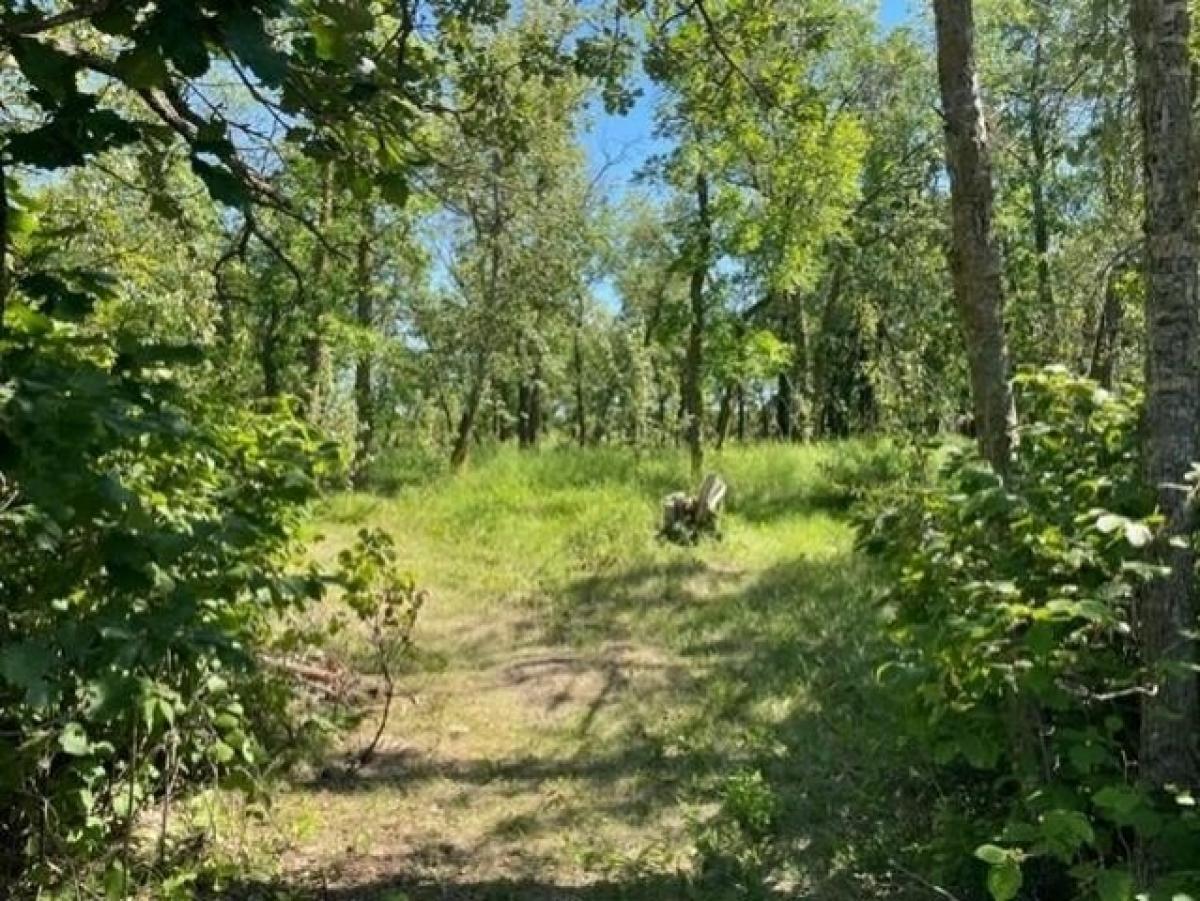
(59, 299)
(223, 186)
(116, 19)
(143, 67)
(1066, 831)
(330, 40)
(212, 137)
(27, 666)
(107, 697)
(21, 222)
(48, 69)
(28, 321)
(179, 30)
(115, 879)
(1004, 880)
(1138, 534)
(394, 188)
(1114, 885)
(72, 137)
(247, 38)
(1118, 799)
(992, 854)
(74, 741)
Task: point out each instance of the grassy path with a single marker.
(597, 715)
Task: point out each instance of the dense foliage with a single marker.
(147, 534)
(1012, 609)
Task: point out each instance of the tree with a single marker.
(508, 178)
(1167, 615)
(974, 255)
(780, 155)
(693, 386)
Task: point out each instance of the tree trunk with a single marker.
(364, 399)
(802, 380)
(505, 407)
(315, 353)
(1037, 187)
(1106, 347)
(268, 350)
(823, 401)
(581, 425)
(270, 370)
(3, 254)
(725, 415)
(785, 391)
(522, 412)
(1166, 615)
(741, 412)
(491, 234)
(470, 412)
(600, 429)
(529, 412)
(974, 256)
(693, 388)
(784, 412)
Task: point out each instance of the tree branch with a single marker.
(66, 17)
(714, 35)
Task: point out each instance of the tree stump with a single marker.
(686, 519)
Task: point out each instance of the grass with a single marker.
(599, 713)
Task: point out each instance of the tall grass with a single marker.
(520, 516)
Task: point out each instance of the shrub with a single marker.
(857, 468)
(145, 542)
(737, 846)
(404, 466)
(1011, 615)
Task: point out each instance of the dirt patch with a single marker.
(494, 770)
(553, 683)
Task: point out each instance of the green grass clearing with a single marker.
(589, 698)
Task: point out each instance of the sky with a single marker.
(618, 146)
(894, 12)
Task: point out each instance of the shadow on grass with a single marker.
(410, 770)
(661, 888)
(776, 678)
(788, 691)
(790, 501)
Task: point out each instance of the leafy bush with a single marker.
(1011, 614)
(145, 542)
(387, 602)
(405, 466)
(858, 468)
(737, 845)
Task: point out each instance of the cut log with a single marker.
(686, 519)
(710, 498)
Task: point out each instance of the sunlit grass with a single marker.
(590, 687)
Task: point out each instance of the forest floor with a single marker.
(595, 714)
